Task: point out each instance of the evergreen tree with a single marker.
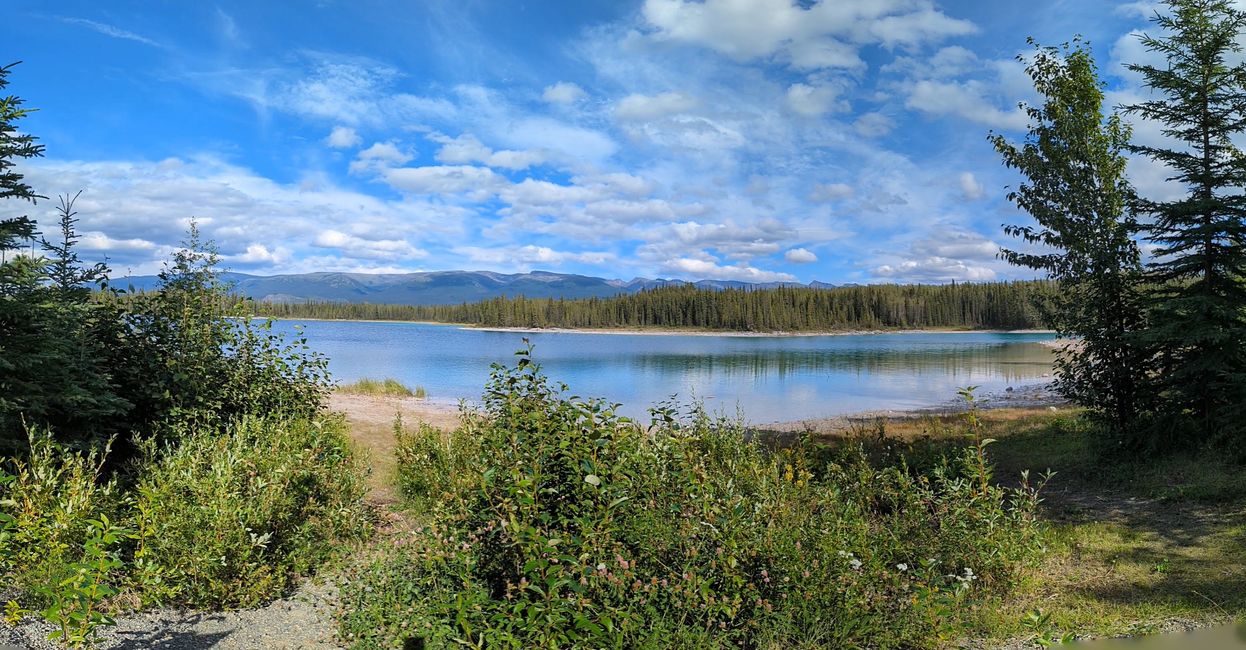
(1075, 188)
(1199, 319)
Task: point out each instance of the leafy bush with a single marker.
(233, 518)
(554, 522)
(216, 520)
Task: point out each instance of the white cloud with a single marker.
(113, 31)
(709, 269)
(873, 125)
(934, 269)
(444, 179)
(813, 101)
(467, 149)
(966, 99)
(379, 156)
(830, 191)
(638, 107)
(381, 249)
(825, 34)
(563, 92)
(343, 137)
(136, 213)
(800, 256)
(970, 188)
(527, 256)
(960, 245)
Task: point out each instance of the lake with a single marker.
(770, 378)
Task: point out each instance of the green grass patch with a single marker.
(387, 387)
(1136, 546)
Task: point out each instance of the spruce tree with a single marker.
(1075, 188)
(1198, 321)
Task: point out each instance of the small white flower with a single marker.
(902, 566)
(856, 564)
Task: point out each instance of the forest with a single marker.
(997, 305)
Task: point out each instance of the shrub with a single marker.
(554, 522)
(216, 520)
(233, 518)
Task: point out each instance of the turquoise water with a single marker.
(769, 378)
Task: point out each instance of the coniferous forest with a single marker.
(997, 305)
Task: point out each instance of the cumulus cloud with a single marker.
(813, 101)
(343, 137)
(379, 156)
(444, 179)
(467, 149)
(935, 269)
(647, 107)
(710, 269)
(825, 34)
(136, 213)
(965, 99)
(563, 92)
(380, 249)
(800, 256)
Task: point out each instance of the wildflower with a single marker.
(902, 566)
(856, 564)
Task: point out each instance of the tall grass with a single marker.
(387, 387)
(553, 522)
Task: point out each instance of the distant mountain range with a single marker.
(441, 287)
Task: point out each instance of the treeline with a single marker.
(995, 305)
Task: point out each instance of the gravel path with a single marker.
(302, 621)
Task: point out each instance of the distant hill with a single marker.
(441, 287)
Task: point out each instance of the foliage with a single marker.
(556, 523)
(282, 494)
(1074, 186)
(1198, 320)
(218, 519)
(77, 599)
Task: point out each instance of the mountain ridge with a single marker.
(444, 287)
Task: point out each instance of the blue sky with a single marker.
(841, 141)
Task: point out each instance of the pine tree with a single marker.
(1198, 321)
(1075, 188)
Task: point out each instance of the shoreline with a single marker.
(667, 331)
(444, 412)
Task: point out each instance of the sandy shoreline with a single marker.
(378, 412)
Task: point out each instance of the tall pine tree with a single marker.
(1075, 188)
(1199, 316)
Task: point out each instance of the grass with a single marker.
(1135, 547)
(388, 387)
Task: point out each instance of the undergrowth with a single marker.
(554, 522)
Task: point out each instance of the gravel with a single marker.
(302, 621)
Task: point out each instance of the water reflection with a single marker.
(769, 378)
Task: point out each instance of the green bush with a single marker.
(556, 523)
(233, 518)
(216, 520)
